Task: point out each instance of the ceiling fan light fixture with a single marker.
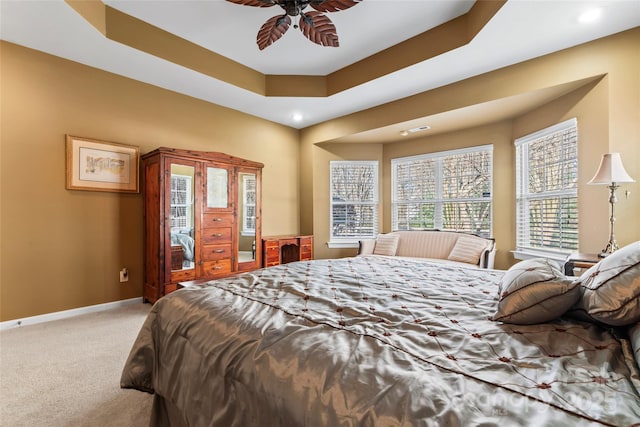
(293, 7)
(315, 25)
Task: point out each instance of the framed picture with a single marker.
(101, 166)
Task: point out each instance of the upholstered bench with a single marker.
(446, 246)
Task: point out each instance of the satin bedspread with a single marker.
(373, 341)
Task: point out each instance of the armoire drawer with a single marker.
(215, 252)
(216, 235)
(216, 268)
(217, 220)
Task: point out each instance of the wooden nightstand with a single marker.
(580, 260)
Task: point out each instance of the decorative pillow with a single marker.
(386, 244)
(366, 246)
(535, 291)
(467, 249)
(611, 288)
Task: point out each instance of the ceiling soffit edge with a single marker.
(471, 116)
(434, 42)
(94, 12)
(135, 33)
(457, 96)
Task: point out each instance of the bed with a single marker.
(375, 341)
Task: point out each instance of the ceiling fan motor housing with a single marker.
(293, 7)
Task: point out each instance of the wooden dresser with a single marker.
(283, 249)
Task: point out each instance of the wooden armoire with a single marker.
(202, 217)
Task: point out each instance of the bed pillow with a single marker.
(535, 291)
(611, 288)
(386, 244)
(467, 249)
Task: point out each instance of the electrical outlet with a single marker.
(124, 275)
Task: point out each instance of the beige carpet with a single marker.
(67, 372)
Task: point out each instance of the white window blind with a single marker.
(547, 190)
(354, 200)
(249, 203)
(447, 190)
(180, 201)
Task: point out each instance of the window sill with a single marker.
(524, 254)
(342, 245)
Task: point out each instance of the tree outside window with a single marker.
(448, 190)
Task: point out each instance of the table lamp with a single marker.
(611, 172)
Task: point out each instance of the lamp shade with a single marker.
(611, 170)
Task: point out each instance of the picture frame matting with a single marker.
(95, 165)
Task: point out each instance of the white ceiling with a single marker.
(521, 30)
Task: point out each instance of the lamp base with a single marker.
(612, 246)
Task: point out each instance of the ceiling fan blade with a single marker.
(319, 29)
(332, 5)
(256, 3)
(272, 30)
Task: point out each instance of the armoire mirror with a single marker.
(247, 217)
(217, 188)
(182, 231)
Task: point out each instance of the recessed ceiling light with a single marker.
(414, 130)
(420, 129)
(590, 15)
(297, 117)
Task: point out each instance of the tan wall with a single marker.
(63, 249)
(624, 136)
(589, 106)
(608, 113)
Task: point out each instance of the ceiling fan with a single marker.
(315, 26)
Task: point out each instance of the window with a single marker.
(547, 191)
(249, 204)
(180, 201)
(354, 200)
(449, 190)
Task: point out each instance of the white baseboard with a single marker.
(67, 313)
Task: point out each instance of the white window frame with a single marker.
(439, 200)
(246, 230)
(524, 248)
(352, 241)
